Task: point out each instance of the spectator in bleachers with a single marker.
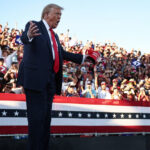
(89, 92)
(71, 91)
(116, 94)
(103, 92)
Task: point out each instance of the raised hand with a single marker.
(33, 30)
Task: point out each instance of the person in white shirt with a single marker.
(104, 93)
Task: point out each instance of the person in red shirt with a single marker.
(114, 86)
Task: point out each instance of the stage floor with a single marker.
(84, 143)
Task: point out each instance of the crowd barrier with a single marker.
(73, 115)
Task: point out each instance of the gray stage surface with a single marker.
(85, 143)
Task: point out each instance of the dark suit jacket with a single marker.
(36, 67)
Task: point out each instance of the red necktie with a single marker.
(56, 62)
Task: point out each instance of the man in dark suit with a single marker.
(40, 73)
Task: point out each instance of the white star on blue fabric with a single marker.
(70, 114)
(106, 115)
(79, 115)
(144, 116)
(97, 115)
(60, 114)
(16, 113)
(129, 116)
(4, 113)
(89, 115)
(122, 115)
(114, 115)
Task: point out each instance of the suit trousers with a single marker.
(39, 107)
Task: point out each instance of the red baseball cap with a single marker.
(95, 55)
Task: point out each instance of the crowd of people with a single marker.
(119, 75)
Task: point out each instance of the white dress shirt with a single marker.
(48, 28)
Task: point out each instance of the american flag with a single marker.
(71, 115)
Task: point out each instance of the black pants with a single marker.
(39, 105)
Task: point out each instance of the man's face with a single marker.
(65, 79)
(88, 86)
(14, 65)
(103, 86)
(71, 90)
(5, 54)
(115, 83)
(53, 17)
(115, 91)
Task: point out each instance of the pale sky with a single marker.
(125, 22)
